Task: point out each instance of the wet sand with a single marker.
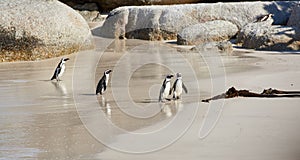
(41, 119)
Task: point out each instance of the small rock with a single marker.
(91, 16)
(223, 47)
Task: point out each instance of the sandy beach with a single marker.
(43, 119)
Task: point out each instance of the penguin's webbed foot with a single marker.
(176, 98)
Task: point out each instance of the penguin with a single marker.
(60, 69)
(165, 88)
(102, 84)
(177, 87)
(263, 18)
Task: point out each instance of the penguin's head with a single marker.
(169, 76)
(65, 59)
(107, 71)
(178, 75)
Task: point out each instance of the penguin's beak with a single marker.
(67, 59)
(109, 71)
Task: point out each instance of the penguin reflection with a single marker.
(170, 109)
(166, 109)
(105, 107)
(60, 87)
(178, 105)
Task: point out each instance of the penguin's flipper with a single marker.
(184, 88)
(55, 74)
(174, 87)
(98, 89)
(171, 90)
(104, 87)
(101, 89)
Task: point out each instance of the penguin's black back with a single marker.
(57, 71)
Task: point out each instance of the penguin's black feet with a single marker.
(176, 98)
(122, 37)
(99, 94)
(168, 99)
(165, 100)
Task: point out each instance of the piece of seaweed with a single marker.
(267, 93)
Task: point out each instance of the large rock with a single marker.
(111, 4)
(264, 36)
(294, 19)
(218, 30)
(31, 30)
(164, 22)
(108, 5)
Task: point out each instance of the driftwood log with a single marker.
(267, 93)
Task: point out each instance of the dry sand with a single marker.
(39, 119)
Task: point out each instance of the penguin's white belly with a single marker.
(61, 71)
(167, 90)
(106, 80)
(178, 90)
